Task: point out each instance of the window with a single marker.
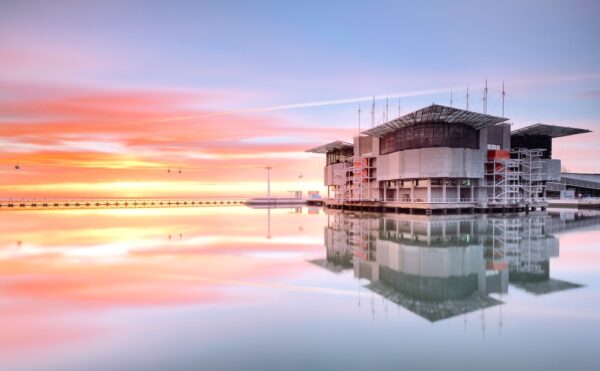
(429, 135)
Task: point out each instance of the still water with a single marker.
(295, 289)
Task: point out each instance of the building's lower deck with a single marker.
(430, 208)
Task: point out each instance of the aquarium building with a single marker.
(441, 158)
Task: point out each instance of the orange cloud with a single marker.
(63, 136)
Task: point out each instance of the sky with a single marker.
(102, 98)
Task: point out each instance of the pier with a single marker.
(115, 203)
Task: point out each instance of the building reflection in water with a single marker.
(443, 266)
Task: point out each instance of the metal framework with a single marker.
(532, 176)
(362, 177)
(112, 203)
(505, 239)
(516, 180)
(531, 250)
(434, 114)
(343, 190)
(502, 178)
(355, 180)
(552, 131)
(337, 145)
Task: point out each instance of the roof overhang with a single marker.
(330, 147)
(436, 114)
(552, 131)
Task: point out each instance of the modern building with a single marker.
(443, 158)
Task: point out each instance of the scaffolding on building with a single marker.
(502, 178)
(532, 176)
(343, 190)
(514, 177)
(363, 175)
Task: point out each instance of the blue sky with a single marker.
(240, 55)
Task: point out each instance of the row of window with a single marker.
(430, 135)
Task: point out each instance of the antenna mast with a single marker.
(399, 108)
(467, 97)
(485, 94)
(451, 99)
(386, 110)
(359, 119)
(503, 95)
(373, 112)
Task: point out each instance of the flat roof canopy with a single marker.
(329, 147)
(436, 113)
(552, 131)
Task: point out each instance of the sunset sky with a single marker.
(102, 97)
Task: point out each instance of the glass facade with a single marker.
(343, 155)
(430, 135)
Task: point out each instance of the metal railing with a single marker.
(113, 203)
(433, 200)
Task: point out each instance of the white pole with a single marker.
(503, 95)
(485, 97)
(268, 182)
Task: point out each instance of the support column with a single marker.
(458, 190)
(444, 230)
(472, 192)
(429, 191)
(444, 190)
(384, 192)
(412, 192)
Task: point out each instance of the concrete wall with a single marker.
(431, 163)
(551, 169)
(497, 134)
(430, 261)
(368, 145)
(330, 174)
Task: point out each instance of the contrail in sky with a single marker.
(406, 94)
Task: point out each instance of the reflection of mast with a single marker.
(500, 317)
(268, 223)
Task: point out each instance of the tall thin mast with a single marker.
(451, 102)
(485, 94)
(359, 119)
(399, 108)
(373, 112)
(386, 110)
(503, 95)
(268, 181)
(467, 97)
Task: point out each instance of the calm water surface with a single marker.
(295, 289)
